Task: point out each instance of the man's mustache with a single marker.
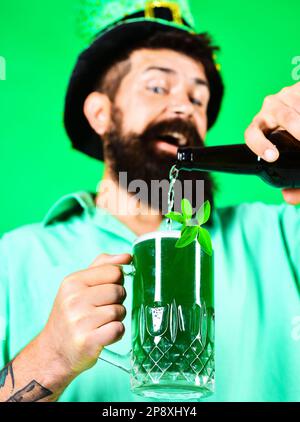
(169, 129)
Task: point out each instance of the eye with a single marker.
(157, 89)
(195, 101)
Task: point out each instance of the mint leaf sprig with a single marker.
(190, 231)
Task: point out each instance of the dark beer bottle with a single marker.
(239, 159)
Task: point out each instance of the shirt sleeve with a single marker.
(4, 317)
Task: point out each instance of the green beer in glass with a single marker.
(172, 319)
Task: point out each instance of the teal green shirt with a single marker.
(257, 292)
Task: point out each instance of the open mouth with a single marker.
(174, 138)
(168, 143)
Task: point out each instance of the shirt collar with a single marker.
(83, 202)
(69, 205)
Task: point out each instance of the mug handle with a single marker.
(119, 361)
(113, 358)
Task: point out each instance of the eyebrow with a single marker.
(198, 81)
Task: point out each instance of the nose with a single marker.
(181, 106)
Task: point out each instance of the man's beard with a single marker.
(137, 156)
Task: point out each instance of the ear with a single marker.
(97, 110)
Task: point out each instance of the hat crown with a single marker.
(97, 15)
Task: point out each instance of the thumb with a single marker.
(104, 258)
(291, 196)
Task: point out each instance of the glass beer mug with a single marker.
(172, 327)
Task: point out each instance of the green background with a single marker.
(39, 42)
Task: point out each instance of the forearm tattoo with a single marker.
(7, 370)
(31, 393)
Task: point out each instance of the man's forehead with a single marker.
(167, 61)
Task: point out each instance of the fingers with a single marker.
(291, 196)
(98, 316)
(104, 270)
(108, 333)
(281, 110)
(87, 313)
(104, 274)
(104, 258)
(286, 117)
(291, 99)
(107, 294)
(106, 314)
(94, 341)
(259, 144)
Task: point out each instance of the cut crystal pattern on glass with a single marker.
(168, 358)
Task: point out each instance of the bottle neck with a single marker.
(238, 159)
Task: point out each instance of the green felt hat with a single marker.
(118, 25)
(100, 15)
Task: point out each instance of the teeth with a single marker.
(181, 140)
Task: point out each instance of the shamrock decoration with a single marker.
(189, 231)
